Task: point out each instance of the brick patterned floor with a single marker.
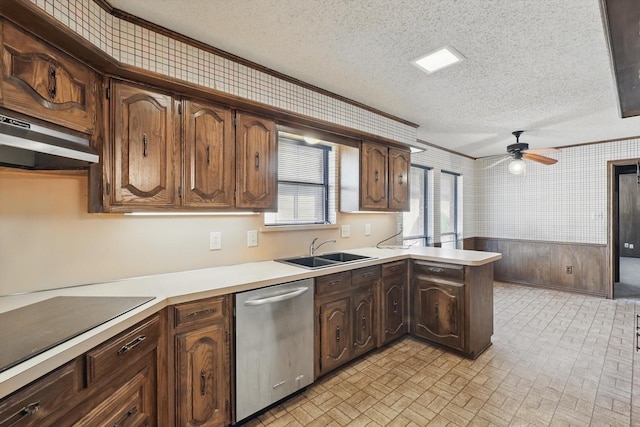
(557, 359)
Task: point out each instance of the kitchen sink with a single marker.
(325, 260)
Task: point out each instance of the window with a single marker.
(303, 183)
(449, 221)
(415, 229)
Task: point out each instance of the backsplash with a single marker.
(134, 45)
(565, 202)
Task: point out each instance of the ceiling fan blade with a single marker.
(542, 151)
(498, 162)
(540, 159)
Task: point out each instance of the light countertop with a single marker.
(174, 288)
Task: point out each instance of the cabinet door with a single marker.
(132, 404)
(399, 163)
(202, 377)
(394, 314)
(256, 167)
(40, 81)
(209, 156)
(335, 334)
(373, 180)
(363, 323)
(143, 147)
(439, 312)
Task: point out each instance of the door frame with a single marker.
(612, 218)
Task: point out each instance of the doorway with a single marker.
(624, 228)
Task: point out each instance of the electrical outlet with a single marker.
(630, 245)
(626, 245)
(215, 240)
(367, 229)
(569, 269)
(252, 238)
(345, 231)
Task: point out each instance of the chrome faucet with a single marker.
(313, 248)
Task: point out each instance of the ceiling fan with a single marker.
(520, 151)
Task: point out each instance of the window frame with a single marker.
(426, 239)
(325, 185)
(456, 184)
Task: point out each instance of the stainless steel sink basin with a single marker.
(325, 260)
(343, 257)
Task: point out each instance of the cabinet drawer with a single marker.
(132, 404)
(394, 268)
(448, 271)
(42, 402)
(123, 349)
(333, 283)
(365, 275)
(199, 311)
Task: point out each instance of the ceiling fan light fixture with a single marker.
(516, 167)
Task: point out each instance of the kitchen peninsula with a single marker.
(457, 281)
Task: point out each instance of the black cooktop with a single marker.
(30, 330)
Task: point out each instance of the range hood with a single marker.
(27, 145)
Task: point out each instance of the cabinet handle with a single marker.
(144, 145)
(128, 415)
(128, 346)
(53, 82)
(335, 282)
(395, 307)
(364, 322)
(436, 269)
(436, 311)
(400, 176)
(203, 382)
(201, 312)
(394, 268)
(368, 274)
(375, 174)
(337, 333)
(257, 160)
(208, 155)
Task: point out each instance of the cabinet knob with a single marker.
(337, 333)
(436, 310)
(257, 160)
(144, 145)
(375, 174)
(53, 82)
(395, 307)
(203, 382)
(364, 322)
(208, 155)
(128, 415)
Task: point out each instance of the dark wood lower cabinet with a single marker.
(123, 384)
(202, 366)
(363, 322)
(394, 311)
(334, 334)
(452, 305)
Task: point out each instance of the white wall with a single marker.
(565, 202)
(48, 240)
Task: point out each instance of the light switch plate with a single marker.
(345, 231)
(367, 229)
(252, 238)
(215, 240)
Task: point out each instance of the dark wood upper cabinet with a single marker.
(209, 156)
(256, 163)
(42, 82)
(143, 147)
(399, 164)
(373, 179)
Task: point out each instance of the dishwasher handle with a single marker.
(277, 298)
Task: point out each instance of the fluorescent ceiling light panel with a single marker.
(438, 59)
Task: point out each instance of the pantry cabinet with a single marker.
(202, 363)
(41, 81)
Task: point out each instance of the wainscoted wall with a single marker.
(545, 264)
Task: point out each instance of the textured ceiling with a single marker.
(538, 65)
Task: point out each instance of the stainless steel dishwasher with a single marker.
(274, 344)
